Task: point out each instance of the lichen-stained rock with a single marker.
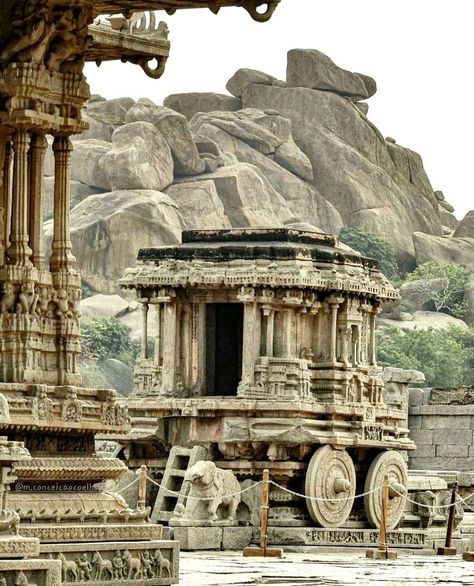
(86, 163)
(110, 111)
(199, 205)
(140, 158)
(242, 77)
(438, 249)
(310, 68)
(353, 167)
(292, 158)
(108, 229)
(448, 219)
(244, 126)
(466, 226)
(79, 191)
(303, 199)
(247, 196)
(191, 103)
(174, 127)
(97, 129)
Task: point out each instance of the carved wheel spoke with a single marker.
(330, 475)
(392, 465)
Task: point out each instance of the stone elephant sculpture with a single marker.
(218, 487)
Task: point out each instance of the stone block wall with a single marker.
(441, 423)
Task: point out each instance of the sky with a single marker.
(419, 51)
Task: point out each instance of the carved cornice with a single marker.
(171, 6)
(61, 408)
(78, 469)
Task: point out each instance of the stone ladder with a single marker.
(179, 460)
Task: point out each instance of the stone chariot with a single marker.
(264, 352)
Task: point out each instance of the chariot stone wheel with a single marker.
(330, 475)
(393, 465)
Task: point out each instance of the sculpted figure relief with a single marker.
(218, 487)
(7, 301)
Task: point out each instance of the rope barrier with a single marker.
(134, 481)
(322, 499)
(200, 498)
(306, 497)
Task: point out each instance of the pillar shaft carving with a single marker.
(39, 144)
(19, 251)
(62, 259)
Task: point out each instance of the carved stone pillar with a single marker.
(249, 335)
(288, 333)
(157, 354)
(19, 251)
(269, 314)
(372, 346)
(39, 144)
(333, 333)
(62, 259)
(169, 349)
(6, 193)
(144, 346)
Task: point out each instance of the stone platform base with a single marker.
(79, 533)
(126, 563)
(38, 572)
(206, 538)
(303, 538)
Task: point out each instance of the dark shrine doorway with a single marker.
(224, 336)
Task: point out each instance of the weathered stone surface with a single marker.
(309, 68)
(174, 128)
(108, 229)
(303, 199)
(436, 248)
(199, 205)
(248, 197)
(469, 299)
(236, 538)
(423, 320)
(448, 219)
(355, 169)
(292, 158)
(140, 158)
(200, 538)
(244, 125)
(466, 226)
(119, 376)
(98, 129)
(85, 163)
(100, 306)
(191, 103)
(110, 111)
(243, 77)
(447, 206)
(79, 191)
(401, 375)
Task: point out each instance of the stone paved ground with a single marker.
(222, 569)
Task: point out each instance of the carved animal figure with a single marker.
(102, 568)
(132, 566)
(7, 302)
(27, 299)
(219, 486)
(62, 303)
(163, 565)
(22, 580)
(68, 567)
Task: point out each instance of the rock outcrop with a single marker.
(140, 158)
(108, 229)
(294, 152)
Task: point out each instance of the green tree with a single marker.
(452, 281)
(374, 247)
(442, 355)
(108, 338)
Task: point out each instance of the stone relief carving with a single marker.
(218, 486)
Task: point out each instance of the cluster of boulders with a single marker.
(299, 152)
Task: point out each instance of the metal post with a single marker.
(143, 473)
(447, 549)
(264, 550)
(382, 553)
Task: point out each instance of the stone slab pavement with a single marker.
(332, 569)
